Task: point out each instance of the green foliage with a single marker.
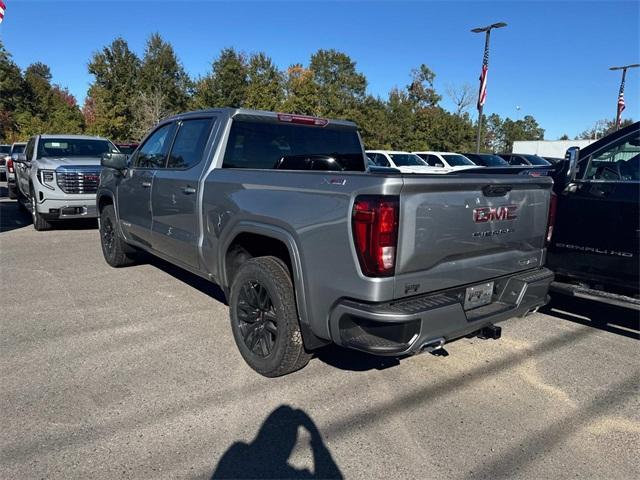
(161, 72)
(499, 134)
(226, 85)
(116, 84)
(129, 95)
(30, 104)
(13, 96)
(265, 84)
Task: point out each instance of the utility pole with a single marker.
(482, 92)
(620, 102)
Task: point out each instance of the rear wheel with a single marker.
(116, 251)
(264, 318)
(39, 222)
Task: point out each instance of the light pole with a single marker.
(620, 102)
(482, 92)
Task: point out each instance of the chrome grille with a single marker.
(78, 179)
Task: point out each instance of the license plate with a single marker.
(478, 295)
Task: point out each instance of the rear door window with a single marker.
(188, 146)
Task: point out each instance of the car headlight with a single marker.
(47, 178)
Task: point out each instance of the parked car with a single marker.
(406, 162)
(16, 149)
(524, 159)
(553, 160)
(487, 159)
(5, 150)
(594, 250)
(370, 259)
(58, 175)
(127, 148)
(450, 160)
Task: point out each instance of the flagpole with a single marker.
(620, 99)
(483, 79)
(481, 105)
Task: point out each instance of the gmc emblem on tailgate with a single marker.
(485, 214)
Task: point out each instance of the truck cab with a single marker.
(594, 248)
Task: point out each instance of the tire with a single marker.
(13, 192)
(264, 318)
(39, 222)
(116, 251)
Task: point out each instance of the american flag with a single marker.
(620, 101)
(3, 7)
(482, 94)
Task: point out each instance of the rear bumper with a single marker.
(406, 326)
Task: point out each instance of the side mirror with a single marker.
(572, 155)
(117, 161)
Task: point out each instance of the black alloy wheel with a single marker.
(257, 319)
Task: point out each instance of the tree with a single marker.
(340, 88)
(111, 96)
(524, 129)
(601, 128)
(226, 85)
(421, 90)
(301, 92)
(13, 99)
(265, 84)
(462, 97)
(148, 109)
(564, 137)
(163, 77)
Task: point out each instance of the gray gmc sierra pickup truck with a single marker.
(311, 246)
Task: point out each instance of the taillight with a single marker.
(553, 205)
(375, 233)
(10, 168)
(303, 119)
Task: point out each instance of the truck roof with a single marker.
(66, 135)
(246, 112)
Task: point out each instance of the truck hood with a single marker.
(55, 162)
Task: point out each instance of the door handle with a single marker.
(146, 184)
(188, 190)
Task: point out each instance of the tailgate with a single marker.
(467, 229)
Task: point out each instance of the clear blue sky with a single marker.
(552, 60)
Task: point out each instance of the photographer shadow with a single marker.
(267, 456)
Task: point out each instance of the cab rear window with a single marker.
(262, 145)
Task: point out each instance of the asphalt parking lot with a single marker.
(133, 373)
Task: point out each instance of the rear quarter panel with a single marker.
(314, 208)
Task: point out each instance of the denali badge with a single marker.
(485, 214)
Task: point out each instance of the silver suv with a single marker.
(58, 175)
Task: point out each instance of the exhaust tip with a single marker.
(432, 345)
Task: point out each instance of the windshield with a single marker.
(407, 160)
(74, 147)
(5, 148)
(18, 148)
(536, 160)
(263, 144)
(457, 160)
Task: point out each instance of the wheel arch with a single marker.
(262, 239)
